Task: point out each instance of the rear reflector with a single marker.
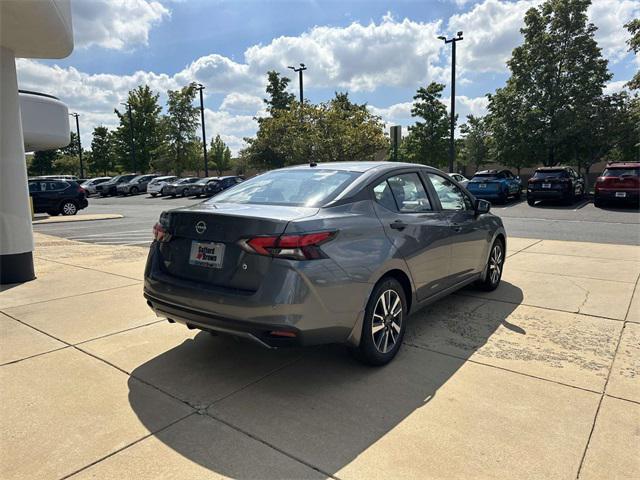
(282, 333)
(305, 246)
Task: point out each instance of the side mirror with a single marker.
(482, 206)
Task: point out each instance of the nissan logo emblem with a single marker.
(201, 227)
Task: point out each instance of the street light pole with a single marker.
(300, 69)
(200, 87)
(452, 146)
(133, 145)
(79, 143)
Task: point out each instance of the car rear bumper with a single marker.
(487, 195)
(315, 305)
(630, 195)
(547, 194)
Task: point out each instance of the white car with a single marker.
(156, 185)
(90, 185)
(461, 179)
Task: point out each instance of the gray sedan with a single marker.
(323, 253)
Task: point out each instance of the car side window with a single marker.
(449, 194)
(404, 193)
(34, 187)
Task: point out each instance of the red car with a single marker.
(619, 182)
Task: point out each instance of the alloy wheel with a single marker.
(495, 264)
(69, 208)
(387, 321)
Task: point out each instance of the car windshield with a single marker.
(483, 177)
(620, 171)
(203, 181)
(289, 187)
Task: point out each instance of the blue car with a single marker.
(495, 185)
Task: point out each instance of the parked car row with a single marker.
(618, 182)
(158, 185)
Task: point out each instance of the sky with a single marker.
(380, 52)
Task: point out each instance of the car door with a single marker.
(468, 237)
(417, 230)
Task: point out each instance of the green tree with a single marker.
(557, 71)
(476, 141)
(634, 46)
(428, 138)
(220, 154)
(279, 98)
(42, 162)
(336, 130)
(145, 115)
(179, 127)
(102, 151)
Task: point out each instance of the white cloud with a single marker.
(357, 57)
(492, 31)
(400, 113)
(615, 87)
(610, 16)
(115, 24)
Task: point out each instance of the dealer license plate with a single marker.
(621, 194)
(546, 185)
(206, 254)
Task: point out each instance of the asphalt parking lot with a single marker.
(548, 221)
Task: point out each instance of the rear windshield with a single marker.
(618, 172)
(188, 180)
(309, 188)
(483, 177)
(551, 174)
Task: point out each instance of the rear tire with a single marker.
(531, 202)
(68, 208)
(598, 203)
(384, 323)
(154, 194)
(495, 264)
(134, 191)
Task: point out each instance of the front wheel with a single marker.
(68, 208)
(134, 191)
(154, 194)
(384, 323)
(493, 270)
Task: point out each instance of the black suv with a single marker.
(221, 184)
(555, 183)
(56, 197)
(111, 187)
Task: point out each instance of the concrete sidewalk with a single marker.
(539, 379)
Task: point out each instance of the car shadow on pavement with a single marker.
(321, 405)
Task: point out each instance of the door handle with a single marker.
(456, 227)
(398, 225)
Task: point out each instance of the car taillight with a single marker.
(160, 233)
(305, 246)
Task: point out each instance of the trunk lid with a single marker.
(224, 224)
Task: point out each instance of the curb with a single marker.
(77, 218)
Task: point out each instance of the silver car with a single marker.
(323, 253)
(90, 185)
